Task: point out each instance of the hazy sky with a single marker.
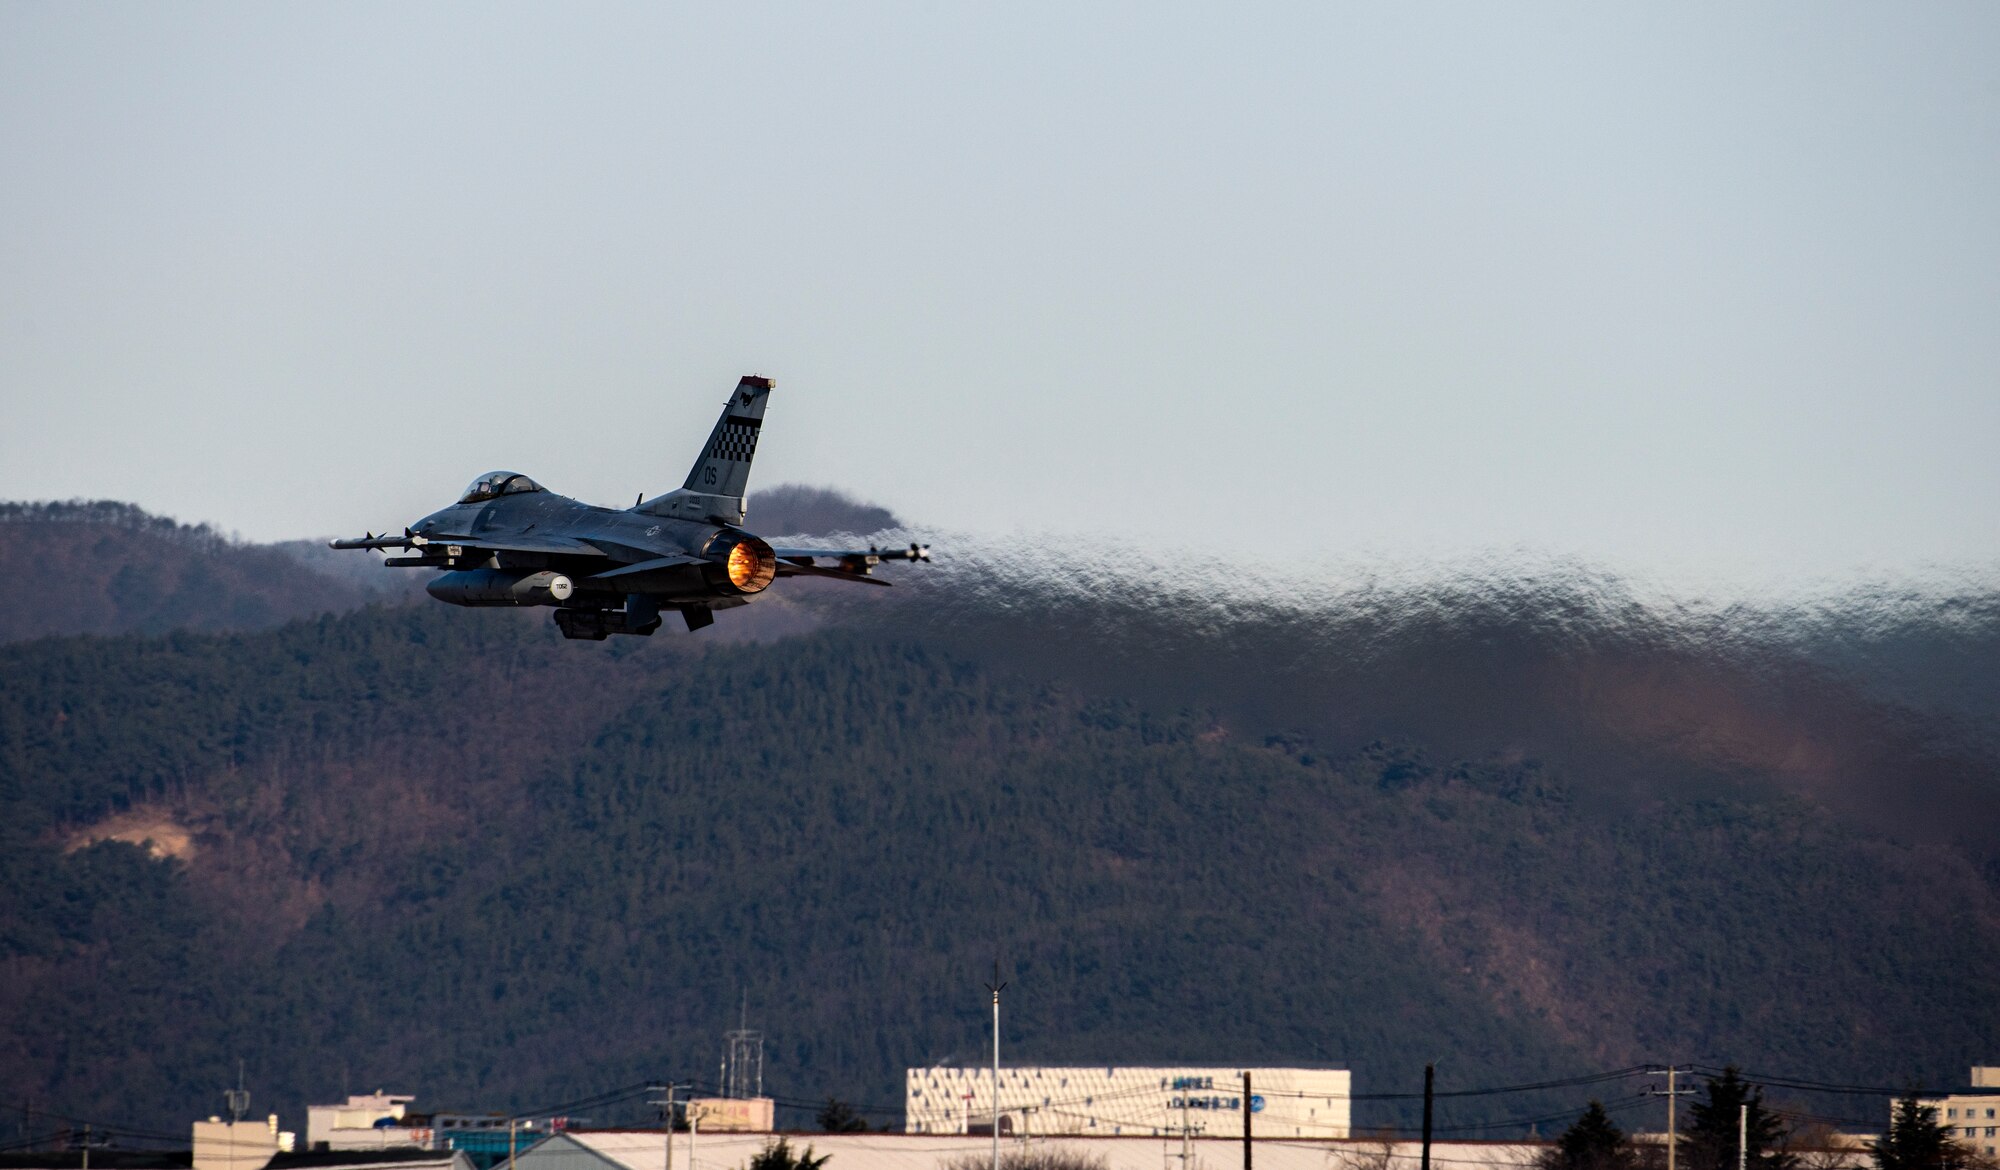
(1709, 289)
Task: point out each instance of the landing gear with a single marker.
(641, 616)
(595, 625)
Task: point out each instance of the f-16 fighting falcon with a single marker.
(510, 541)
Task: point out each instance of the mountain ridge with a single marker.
(448, 851)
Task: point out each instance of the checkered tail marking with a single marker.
(736, 440)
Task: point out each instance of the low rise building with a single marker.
(249, 1145)
(488, 1138)
(238, 1145)
(366, 1121)
(1973, 1115)
(1128, 1101)
(647, 1150)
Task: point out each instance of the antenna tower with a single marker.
(743, 1057)
(238, 1098)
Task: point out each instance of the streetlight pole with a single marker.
(996, 987)
(1248, 1109)
(1742, 1136)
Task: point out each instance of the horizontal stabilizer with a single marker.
(859, 557)
(849, 564)
(792, 569)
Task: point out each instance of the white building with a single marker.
(238, 1145)
(367, 1121)
(1130, 1102)
(646, 1150)
(1972, 1117)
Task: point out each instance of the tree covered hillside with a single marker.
(442, 851)
(102, 567)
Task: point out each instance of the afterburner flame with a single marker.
(752, 565)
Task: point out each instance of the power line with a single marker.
(31, 1143)
(1806, 1086)
(608, 1097)
(1489, 1091)
(1567, 1114)
(99, 1126)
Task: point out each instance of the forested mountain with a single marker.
(102, 567)
(443, 851)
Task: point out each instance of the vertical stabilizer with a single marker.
(724, 466)
(716, 485)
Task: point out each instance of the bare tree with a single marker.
(1040, 1157)
(1369, 1151)
(1819, 1146)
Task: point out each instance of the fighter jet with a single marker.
(510, 541)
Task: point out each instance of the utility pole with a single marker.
(1671, 1093)
(1430, 1077)
(1187, 1139)
(996, 987)
(667, 1105)
(86, 1146)
(1246, 1119)
(513, 1127)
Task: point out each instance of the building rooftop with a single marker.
(100, 1159)
(645, 1150)
(406, 1156)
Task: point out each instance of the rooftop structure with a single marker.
(366, 1121)
(406, 1158)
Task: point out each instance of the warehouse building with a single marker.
(1130, 1101)
(646, 1150)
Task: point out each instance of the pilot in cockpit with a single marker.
(498, 483)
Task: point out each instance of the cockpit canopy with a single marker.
(498, 483)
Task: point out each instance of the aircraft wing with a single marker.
(514, 542)
(848, 564)
(649, 566)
